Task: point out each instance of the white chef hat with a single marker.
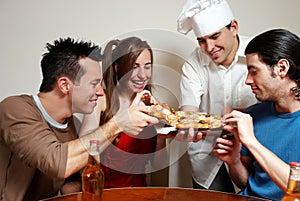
(204, 16)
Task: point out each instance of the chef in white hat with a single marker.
(213, 79)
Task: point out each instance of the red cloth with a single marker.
(124, 162)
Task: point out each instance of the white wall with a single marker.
(26, 26)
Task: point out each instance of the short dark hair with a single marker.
(276, 44)
(62, 60)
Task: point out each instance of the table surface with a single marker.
(160, 194)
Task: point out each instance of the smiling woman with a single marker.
(128, 69)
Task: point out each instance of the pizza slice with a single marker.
(163, 112)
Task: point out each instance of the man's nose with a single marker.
(99, 90)
(248, 80)
(209, 45)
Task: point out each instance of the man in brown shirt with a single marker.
(39, 147)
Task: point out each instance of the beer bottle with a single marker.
(93, 176)
(293, 188)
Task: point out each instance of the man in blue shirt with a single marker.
(266, 139)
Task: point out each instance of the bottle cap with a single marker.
(295, 164)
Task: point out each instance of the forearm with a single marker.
(77, 149)
(228, 150)
(279, 173)
(239, 174)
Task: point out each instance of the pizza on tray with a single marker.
(184, 119)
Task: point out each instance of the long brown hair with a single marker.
(123, 55)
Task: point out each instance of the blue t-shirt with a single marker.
(280, 133)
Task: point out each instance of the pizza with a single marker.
(185, 119)
(200, 120)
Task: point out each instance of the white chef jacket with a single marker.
(212, 88)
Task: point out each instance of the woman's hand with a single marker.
(144, 98)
